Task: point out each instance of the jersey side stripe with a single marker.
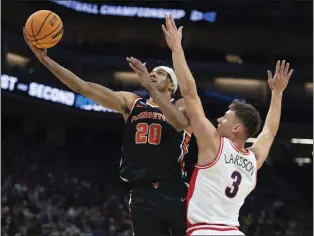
(184, 145)
(184, 150)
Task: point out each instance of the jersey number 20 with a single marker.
(232, 192)
(150, 133)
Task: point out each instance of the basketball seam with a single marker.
(42, 24)
(33, 32)
(47, 34)
(50, 42)
(30, 35)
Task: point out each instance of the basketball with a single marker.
(44, 29)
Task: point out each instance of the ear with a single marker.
(171, 86)
(237, 128)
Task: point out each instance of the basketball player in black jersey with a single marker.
(154, 144)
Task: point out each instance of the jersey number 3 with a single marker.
(150, 133)
(232, 192)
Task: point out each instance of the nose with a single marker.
(218, 120)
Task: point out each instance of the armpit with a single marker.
(125, 108)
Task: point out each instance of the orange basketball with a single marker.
(44, 29)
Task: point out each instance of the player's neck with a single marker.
(238, 143)
(167, 95)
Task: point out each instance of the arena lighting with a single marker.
(240, 84)
(126, 11)
(48, 93)
(309, 88)
(126, 77)
(294, 140)
(302, 141)
(233, 59)
(17, 60)
(302, 160)
(206, 16)
(247, 82)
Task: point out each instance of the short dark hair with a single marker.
(248, 115)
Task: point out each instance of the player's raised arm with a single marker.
(206, 134)
(118, 101)
(278, 84)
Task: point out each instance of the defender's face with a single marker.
(228, 124)
(159, 78)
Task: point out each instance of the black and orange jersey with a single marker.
(152, 149)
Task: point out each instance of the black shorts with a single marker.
(159, 208)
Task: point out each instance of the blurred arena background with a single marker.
(61, 151)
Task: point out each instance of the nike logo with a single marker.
(183, 199)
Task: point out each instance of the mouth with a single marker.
(153, 80)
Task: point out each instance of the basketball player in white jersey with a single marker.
(225, 172)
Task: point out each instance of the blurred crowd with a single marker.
(53, 186)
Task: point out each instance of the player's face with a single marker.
(160, 79)
(228, 124)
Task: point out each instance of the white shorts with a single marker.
(215, 232)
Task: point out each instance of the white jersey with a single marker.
(217, 191)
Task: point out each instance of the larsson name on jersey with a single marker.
(240, 161)
(149, 115)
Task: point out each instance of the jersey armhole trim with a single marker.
(217, 156)
(133, 103)
(237, 149)
(132, 107)
(188, 133)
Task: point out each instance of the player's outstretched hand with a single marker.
(279, 81)
(39, 53)
(172, 34)
(140, 69)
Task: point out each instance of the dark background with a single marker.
(88, 143)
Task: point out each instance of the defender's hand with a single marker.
(140, 69)
(172, 34)
(279, 82)
(40, 53)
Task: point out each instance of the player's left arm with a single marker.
(175, 114)
(278, 84)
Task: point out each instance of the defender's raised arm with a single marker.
(204, 131)
(277, 84)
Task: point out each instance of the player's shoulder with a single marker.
(127, 95)
(179, 102)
